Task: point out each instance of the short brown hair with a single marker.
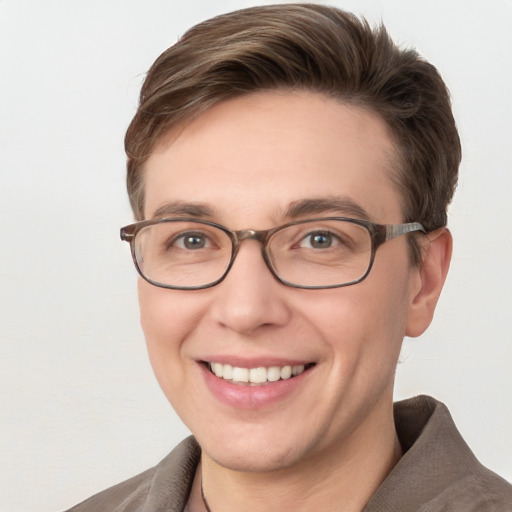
(315, 48)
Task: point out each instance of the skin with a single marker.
(247, 160)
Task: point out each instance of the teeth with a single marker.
(297, 370)
(217, 369)
(240, 374)
(255, 375)
(286, 372)
(273, 373)
(227, 371)
(258, 375)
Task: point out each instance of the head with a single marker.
(248, 121)
(307, 48)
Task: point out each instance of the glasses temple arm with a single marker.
(394, 230)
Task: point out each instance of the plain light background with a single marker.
(80, 408)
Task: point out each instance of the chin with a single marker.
(263, 462)
(255, 454)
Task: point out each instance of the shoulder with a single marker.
(165, 485)
(438, 471)
(129, 495)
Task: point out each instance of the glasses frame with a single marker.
(379, 234)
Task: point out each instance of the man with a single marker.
(290, 170)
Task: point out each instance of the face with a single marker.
(245, 162)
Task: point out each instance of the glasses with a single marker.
(190, 254)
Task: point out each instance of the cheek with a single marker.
(167, 316)
(166, 320)
(155, 315)
(364, 324)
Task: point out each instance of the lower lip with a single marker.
(245, 396)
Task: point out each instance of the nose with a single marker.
(250, 297)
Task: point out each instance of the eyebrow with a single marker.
(185, 209)
(340, 205)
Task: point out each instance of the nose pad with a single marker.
(250, 296)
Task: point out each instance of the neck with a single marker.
(341, 479)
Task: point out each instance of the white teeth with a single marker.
(227, 372)
(297, 370)
(255, 375)
(274, 373)
(286, 372)
(218, 369)
(258, 375)
(240, 374)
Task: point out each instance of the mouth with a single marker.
(256, 376)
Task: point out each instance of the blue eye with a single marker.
(318, 240)
(192, 241)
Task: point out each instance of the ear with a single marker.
(430, 278)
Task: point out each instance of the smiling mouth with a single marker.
(257, 376)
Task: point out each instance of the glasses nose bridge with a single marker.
(251, 234)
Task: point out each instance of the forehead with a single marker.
(255, 155)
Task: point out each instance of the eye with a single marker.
(191, 241)
(319, 240)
